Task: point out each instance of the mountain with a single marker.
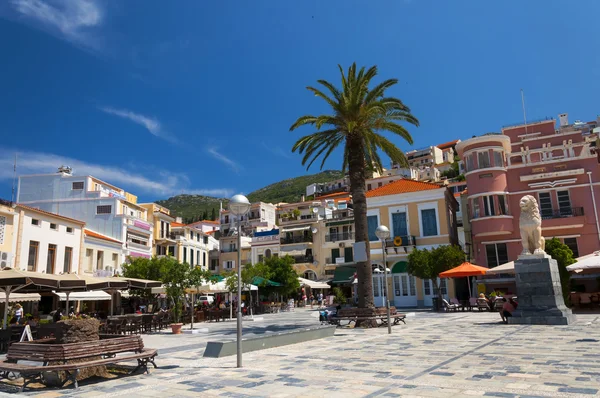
(197, 207)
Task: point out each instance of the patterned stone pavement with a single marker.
(434, 355)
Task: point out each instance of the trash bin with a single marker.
(436, 304)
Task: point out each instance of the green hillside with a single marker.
(197, 207)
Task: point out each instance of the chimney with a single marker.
(179, 220)
(66, 170)
(564, 119)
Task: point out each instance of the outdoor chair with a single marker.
(147, 323)
(483, 305)
(473, 302)
(4, 339)
(133, 325)
(585, 299)
(450, 307)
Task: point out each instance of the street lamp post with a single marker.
(239, 205)
(383, 233)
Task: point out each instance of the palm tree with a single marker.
(358, 115)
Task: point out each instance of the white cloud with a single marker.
(219, 156)
(149, 123)
(73, 20)
(159, 183)
(275, 150)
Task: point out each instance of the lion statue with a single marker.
(530, 224)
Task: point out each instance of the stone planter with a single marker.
(176, 328)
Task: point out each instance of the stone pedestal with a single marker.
(539, 293)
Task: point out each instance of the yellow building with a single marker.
(162, 237)
(419, 215)
(8, 234)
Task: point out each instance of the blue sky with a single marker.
(198, 96)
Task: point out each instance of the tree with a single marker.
(249, 273)
(213, 214)
(176, 279)
(204, 215)
(358, 115)
(281, 270)
(142, 268)
(564, 257)
(428, 264)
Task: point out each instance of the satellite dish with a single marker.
(315, 210)
(314, 230)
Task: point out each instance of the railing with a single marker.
(301, 218)
(528, 122)
(336, 260)
(336, 237)
(229, 250)
(303, 259)
(296, 239)
(137, 246)
(562, 213)
(408, 240)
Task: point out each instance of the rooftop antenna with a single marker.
(12, 196)
(524, 113)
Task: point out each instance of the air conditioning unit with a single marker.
(5, 259)
(342, 244)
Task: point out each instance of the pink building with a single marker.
(558, 166)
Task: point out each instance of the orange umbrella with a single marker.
(466, 269)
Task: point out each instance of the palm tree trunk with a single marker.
(356, 170)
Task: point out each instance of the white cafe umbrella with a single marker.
(586, 264)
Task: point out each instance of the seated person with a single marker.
(508, 308)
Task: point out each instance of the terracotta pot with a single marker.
(176, 328)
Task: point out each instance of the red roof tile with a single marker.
(99, 236)
(402, 186)
(332, 195)
(447, 144)
(177, 224)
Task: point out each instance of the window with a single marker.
(104, 209)
(372, 226)
(399, 227)
(185, 254)
(545, 204)
(69, 230)
(100, 260)
(197, 257)
(368, 187)
(564, 203)
(376, 286)
(204, 259)
(115, 260)
(427, 287)
(51, 260)
(229, 264)
(268, 253)
(214, 263)
(89, 256)
(502, 205)
(191, 256)
(429, 222)
(33, 255)
(206, 240)
(476, 208)
(335, 253)
(35, 222)
(53, 226)
(498, 159)
(77, 185)
(496, 254)
(261, 258)
(379, 184)
(404, 285)
(488, 206)
(191, 235)
(572, 243)
(443, 286)
(171, 251)
(470, 162)
(68, 259)
(412, 285)
(348, 256)
(483, 159)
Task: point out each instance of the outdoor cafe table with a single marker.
(217, 315)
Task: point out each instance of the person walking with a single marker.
(18, 312)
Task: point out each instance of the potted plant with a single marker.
(176, 280)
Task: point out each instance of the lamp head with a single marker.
(382, 232)
(239, 205)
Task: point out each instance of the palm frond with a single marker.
(334, 91)
(308, 119)
(324, 96)
(379, 90)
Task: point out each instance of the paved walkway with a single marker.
(434, 355)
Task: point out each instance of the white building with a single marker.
(105, 208)
(265, 245)
(192, 246)
(103, 255)
(47, 242)
(206, 225)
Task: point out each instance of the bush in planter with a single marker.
(339, 296)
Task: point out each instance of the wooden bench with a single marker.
(45, 351)
(367, 314)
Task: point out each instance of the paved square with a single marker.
(434, 355)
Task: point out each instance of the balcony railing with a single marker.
(336, 237)
(132, 245)
(299, 218)
(336, 260)
(303, 259)
(228, 250)
(565, 212)
(296, 239)
(408, 240)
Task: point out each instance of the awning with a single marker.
(506, 268)
(158, 290)
(266, 282)
(20, 297)
(344, 274)
(293, 253)
(586, 264)
(294, 229)
(313, 284)
(400, 267)
(332, 224)
(94, 295)
(464, 270)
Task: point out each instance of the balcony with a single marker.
(337, 261)
(132, 245)
(407, 240)
(493, 225)
(303, 259)
(229, 250)
(163, 234)
(296, 239)
(305, 217)
(565, 212)
(336, 237)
